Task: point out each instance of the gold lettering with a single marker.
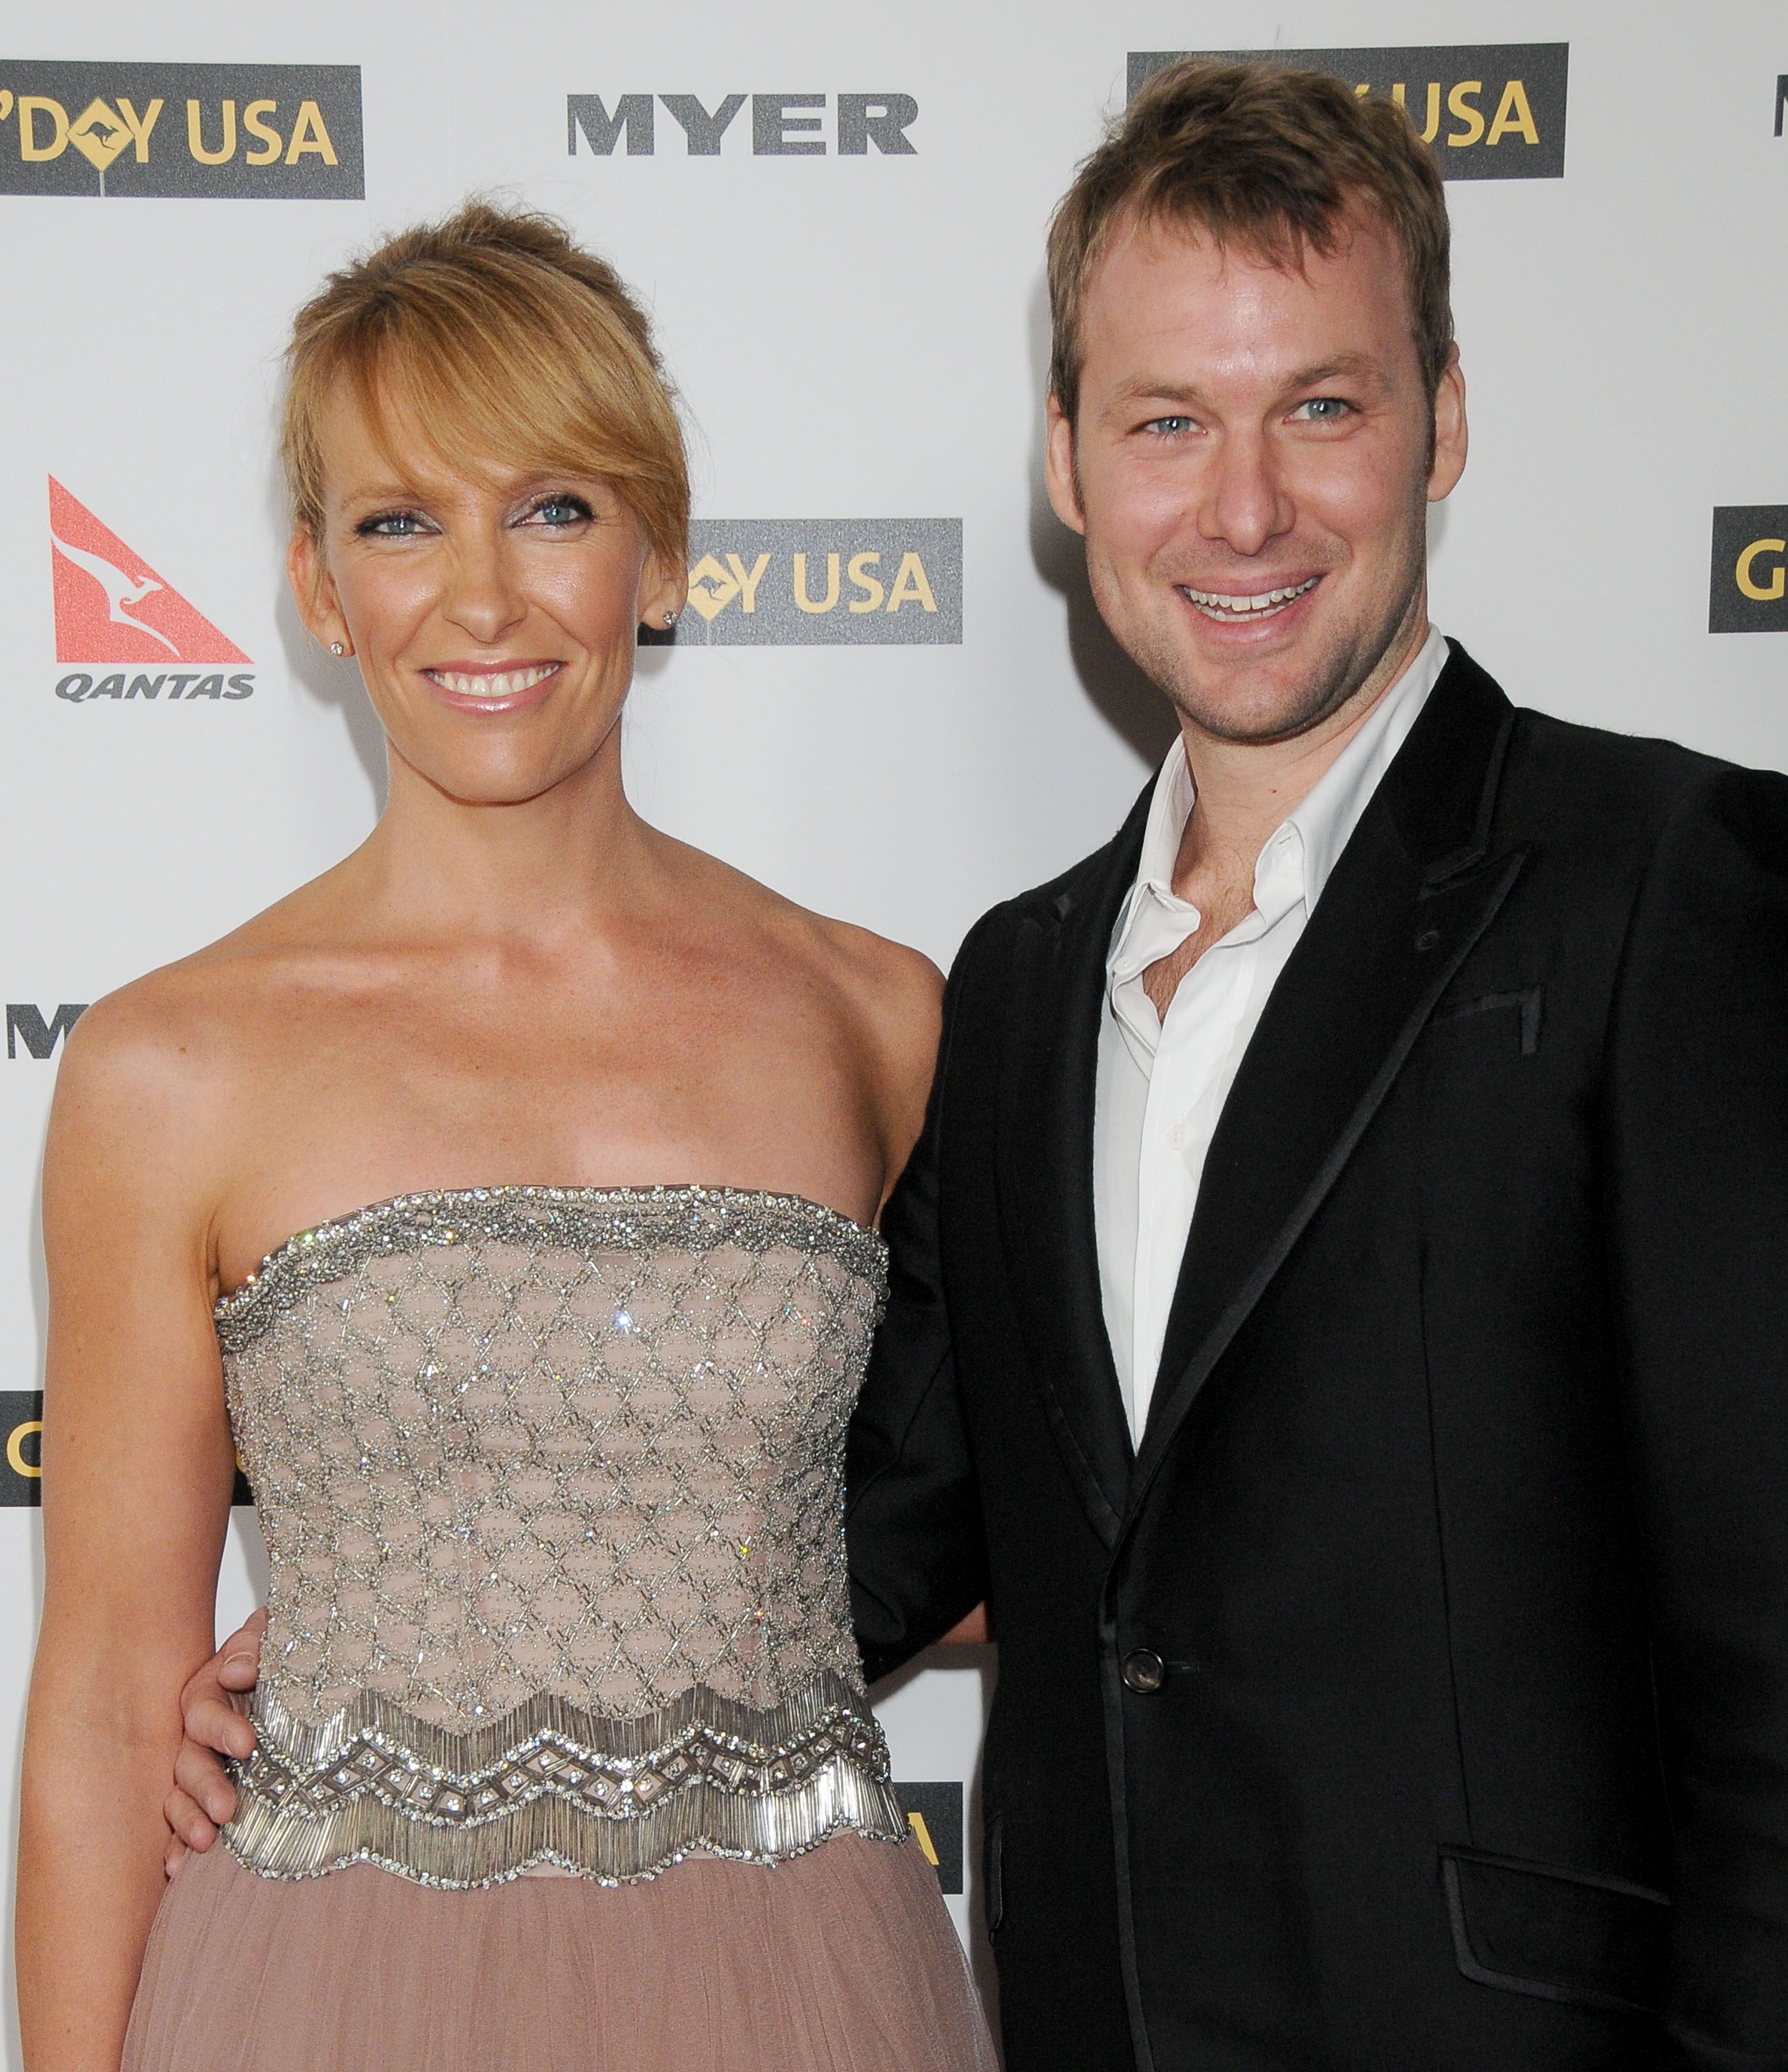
(859, 573)
(916, 1821)
(140, 127)
(15, 1453)
(801, 597)
(1456, 104)
(196, 135)
(271, 141)
(309, 134)
(6, 102)
(1431, 124)
(747, 583)
(29, 105)
(1362, 89)
(1754, 589)
(1513, 112)
(911, 586)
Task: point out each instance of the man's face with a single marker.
(1250, 468)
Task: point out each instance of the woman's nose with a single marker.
(483, 598)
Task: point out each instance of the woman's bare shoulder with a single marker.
(899, 987)
(160, 1059)
(897, 991)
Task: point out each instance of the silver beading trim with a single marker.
(613, 1799)
(580, 1218)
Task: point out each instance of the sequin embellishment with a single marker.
(552, 1485)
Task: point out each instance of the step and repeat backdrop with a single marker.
(890, 698)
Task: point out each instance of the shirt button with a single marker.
(1144, 1671)
(1179, 1136)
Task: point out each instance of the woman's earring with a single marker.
(670, 619)
(335, 647)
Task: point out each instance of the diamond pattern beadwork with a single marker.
(552, 1485)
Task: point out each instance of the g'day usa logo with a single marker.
(824, 583)
(1490, 111)
(256, 132)
(129, 627)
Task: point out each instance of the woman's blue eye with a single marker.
(562, 511)
(391, 525)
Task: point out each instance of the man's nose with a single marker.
(1246, 504)
(483, 598)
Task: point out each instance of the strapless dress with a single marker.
(565, 1757)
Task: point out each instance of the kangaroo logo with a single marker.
(111, 606)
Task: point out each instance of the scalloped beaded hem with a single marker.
(839, 1800)
(616, 1800)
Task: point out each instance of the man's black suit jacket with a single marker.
(1417, 1695)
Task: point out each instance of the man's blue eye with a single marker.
(1169, 424)
(1325, 409)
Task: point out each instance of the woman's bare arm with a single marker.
(138, 1468)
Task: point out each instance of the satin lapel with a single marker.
(1045, 1170)
(1411, 894)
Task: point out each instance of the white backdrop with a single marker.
(859, 339)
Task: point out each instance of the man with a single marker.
(1338, 1314)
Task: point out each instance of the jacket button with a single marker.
(1144, 1671)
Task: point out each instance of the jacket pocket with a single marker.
(1557, 1934)
(993, 1867)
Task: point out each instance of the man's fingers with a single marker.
(214, 1723)
(238, 1661)
(191, 1829)
(200, 1776)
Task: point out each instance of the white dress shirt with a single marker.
(1162, 1086)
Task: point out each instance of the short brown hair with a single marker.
(502, 338)
(1261, 156)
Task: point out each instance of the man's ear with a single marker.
(1451, 437)
(314, 591)
(1059, 471)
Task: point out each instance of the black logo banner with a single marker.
(808, 582)
(1489, 111)
(1748, 590)
(22, 1428)
(933, 1816)
(256, 132)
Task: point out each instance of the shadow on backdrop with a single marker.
(332, 683)
(1122, 696)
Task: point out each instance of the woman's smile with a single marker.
(502, 686)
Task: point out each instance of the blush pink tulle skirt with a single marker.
(842, 1960)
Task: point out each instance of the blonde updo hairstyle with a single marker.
(498, 337)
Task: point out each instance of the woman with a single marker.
(547, 1440)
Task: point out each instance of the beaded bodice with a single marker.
(552, 1485)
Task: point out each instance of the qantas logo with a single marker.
(111, 608)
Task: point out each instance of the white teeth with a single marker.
(1218, 604)
(504, 685)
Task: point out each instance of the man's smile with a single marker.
(1227, 607)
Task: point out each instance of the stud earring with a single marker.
(670, 619)
(335, 647)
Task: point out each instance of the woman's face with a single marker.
(493, 613)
